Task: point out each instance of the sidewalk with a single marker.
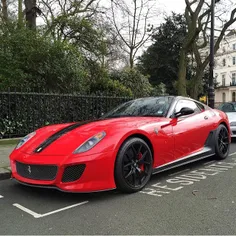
(5, 171)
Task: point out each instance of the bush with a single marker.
(30, 60)
(134, 80)
(110, 87)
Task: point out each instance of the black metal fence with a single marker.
(22, 113)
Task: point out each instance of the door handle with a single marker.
(205, 117)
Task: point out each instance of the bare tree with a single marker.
(57, 13)
(197, 14)
(131, 22)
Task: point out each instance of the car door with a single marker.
(190, 132)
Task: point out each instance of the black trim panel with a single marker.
(206, 152)
(56, 188)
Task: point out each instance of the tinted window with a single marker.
(187, 103)
(228, 107)
(158, 106)
(201, 106)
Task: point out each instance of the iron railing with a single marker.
(24, 112)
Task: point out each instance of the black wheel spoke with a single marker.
(143, 157)
(146, 162)
(134, 151)
(135, 179)
(136, 171)
(223, 141)
(140, 148)
(221, 147)
(129, 174)
(128, 157)
(127, 165)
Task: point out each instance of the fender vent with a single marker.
(73, 173)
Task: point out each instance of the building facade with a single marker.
(225, 69)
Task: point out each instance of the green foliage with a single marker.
(135, 81)
(8, 126)
(28, 59)
(110, 87)
(161, 60)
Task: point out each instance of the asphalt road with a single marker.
(199, 198)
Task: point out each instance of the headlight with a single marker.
(90, 143)
(25, 139)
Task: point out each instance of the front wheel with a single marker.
(222, 142)
(133, 166)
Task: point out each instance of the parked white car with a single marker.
(230, 109)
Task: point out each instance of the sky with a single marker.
(172, 5)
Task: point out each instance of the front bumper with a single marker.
(71, 174)
(233, 131)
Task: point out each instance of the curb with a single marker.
(5, 173)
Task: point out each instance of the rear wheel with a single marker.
(133, 166)
(222, 142)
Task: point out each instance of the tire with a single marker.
(133, 167)
(221, 142)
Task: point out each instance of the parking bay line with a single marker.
(37, 215)
(232, 154)
(1, 196)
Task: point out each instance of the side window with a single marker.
(228, 107)
(201, 107)
(187, 103)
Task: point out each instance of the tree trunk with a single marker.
(195, 85)
(4, 10)
(30, 13)
(181, 85)
(20, 13)
(131, 59)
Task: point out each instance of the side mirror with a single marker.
(184, 112)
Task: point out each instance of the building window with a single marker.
(233, 97)
(233, 78)
(223, 80)
(224, 62)
(234, 46)
(223, 97)
(234, 60)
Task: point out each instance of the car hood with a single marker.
(66, 143)
(231, 116)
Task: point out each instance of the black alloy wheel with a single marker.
(222, 142)
(133, 167)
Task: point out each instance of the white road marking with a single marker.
(232, 154)
(37, 215)
(1, 196)
(34, 214)
(176, 173)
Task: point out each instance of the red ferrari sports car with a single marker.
(123, 148)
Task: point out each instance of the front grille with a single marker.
(36, 172)
(72, 173)
(234, 132)
(233, 123)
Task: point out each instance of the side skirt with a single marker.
(206, 152)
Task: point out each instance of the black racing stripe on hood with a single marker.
(58, 134)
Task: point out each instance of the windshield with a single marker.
(157, 106)
(228, 107)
